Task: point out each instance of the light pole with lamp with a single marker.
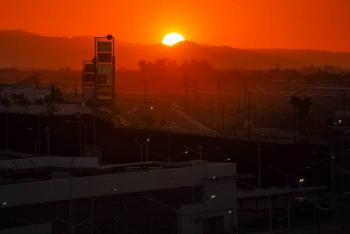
(150, 109)
(259, 160)
(7, 131)
(330, 157)
(141, 145)
(287, 187)
(211, 197)
(201, 154)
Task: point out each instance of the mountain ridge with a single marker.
(25, 50)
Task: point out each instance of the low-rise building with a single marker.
(31, 93)
(77, 195)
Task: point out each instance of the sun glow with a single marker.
(172, 39)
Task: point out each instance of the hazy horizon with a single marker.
(308, 24)
(159, 43)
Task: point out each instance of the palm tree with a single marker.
(55, 94)
(301, 107)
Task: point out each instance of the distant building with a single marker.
(32, 100)
(32, 94)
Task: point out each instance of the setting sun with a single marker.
(172, 39)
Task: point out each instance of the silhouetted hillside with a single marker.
(30, 51)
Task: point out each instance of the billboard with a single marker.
(89, 79)
(89, 67)
(104, 57)
(104, 46)
(105, 67)
(99, 74)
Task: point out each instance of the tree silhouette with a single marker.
(142, 65)
(301, 107)
(55, 94)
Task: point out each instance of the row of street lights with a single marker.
(82, 128)
(201, 155)
(144, 146)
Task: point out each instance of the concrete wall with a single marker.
(32, 229)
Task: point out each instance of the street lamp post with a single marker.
(201, 154)
(211, 197)
(287, 187)
(7, 131)
(259, 165)
(150, 109)
(313, 162)
(330, 157)
(259, 159)
(141, 145)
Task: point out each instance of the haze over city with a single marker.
(174, 117)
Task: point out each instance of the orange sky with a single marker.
(316, 24)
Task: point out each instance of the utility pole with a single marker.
(145, 91)
(211, 114)
(248, 114)
(344, 105)
(94, 133)
(247, 105)
(219, 102)
(147, 151)
(270, 214)
(92, 227)
(195, 92)
(80, 140)
(195, 99)
(287, 175)
(141, 145)
(200, 150)
(168, 144)
(85, 140)
(186, 96)
(48, 141)
(259, 165)
(223, 116)
(7, 131)
(39, 135)
(332, 181)
(218, 90)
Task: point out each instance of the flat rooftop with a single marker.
(19, 168)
